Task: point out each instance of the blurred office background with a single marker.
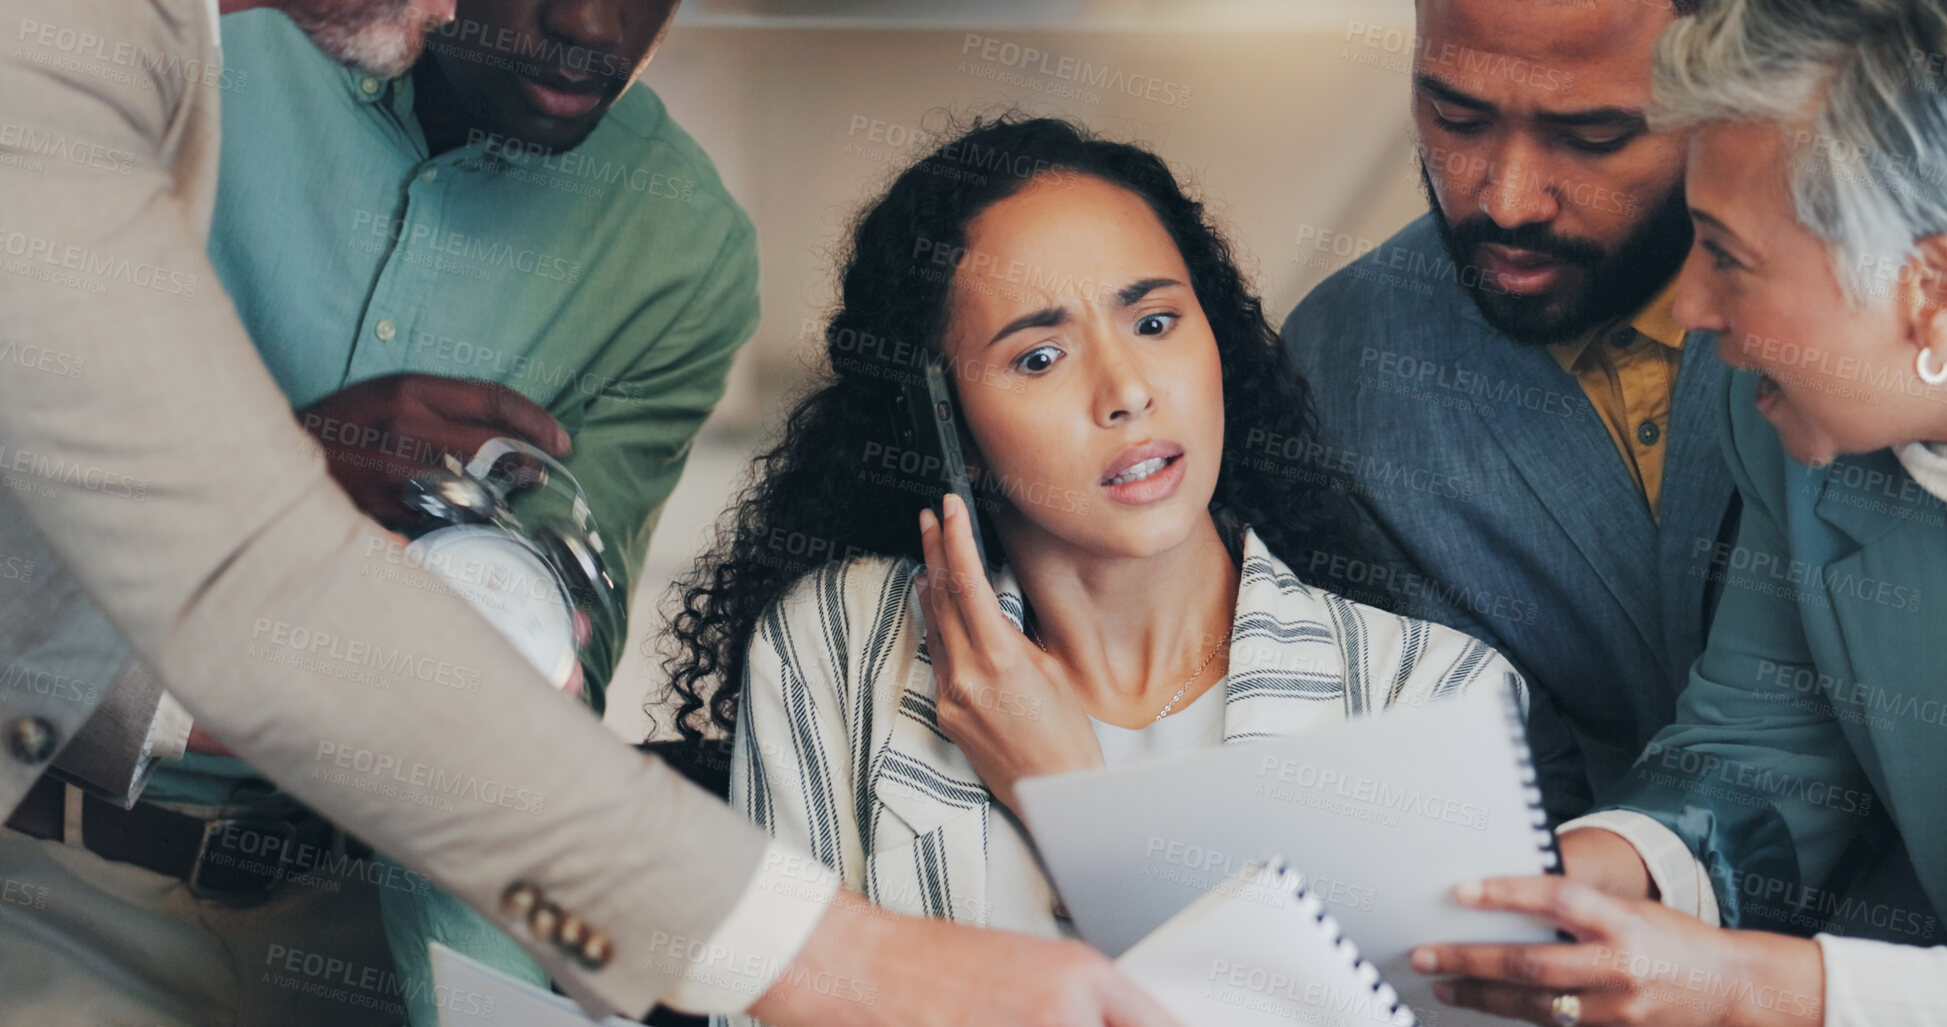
(1289, 117)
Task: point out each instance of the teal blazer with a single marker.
(1807, 767)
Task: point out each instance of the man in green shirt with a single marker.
(508, 239)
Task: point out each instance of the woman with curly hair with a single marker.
(1116, 382)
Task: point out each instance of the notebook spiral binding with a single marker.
(1276, 875)
(1551, 851)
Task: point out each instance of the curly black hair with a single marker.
(812, 498)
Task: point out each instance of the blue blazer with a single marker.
(1505, 506)
(1807, 767)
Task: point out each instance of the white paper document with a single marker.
(1259, 951)
(472, 995)
(1383, 814)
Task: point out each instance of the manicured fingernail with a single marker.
(1467, 892)
(1424, 961)
(950, 506)
(926, 519)
(1444, 991)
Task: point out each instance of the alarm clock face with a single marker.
(511, 587)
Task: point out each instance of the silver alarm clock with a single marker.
(533, 575)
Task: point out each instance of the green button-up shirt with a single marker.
(611, 284)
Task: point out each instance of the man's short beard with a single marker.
(1613, 284)
(378, 37)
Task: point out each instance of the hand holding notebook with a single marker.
(1258, 950)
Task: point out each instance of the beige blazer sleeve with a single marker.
(169, 478)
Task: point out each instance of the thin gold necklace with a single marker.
(1034, 634)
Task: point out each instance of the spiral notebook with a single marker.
(1384, 814)
(1258, 950)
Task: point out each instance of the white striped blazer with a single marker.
(838, 751)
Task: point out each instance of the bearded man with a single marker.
(1503, 387)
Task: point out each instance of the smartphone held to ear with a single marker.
(934, 433)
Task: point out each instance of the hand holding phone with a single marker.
(1004, 701)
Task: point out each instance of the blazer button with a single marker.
(596, 951)
(545, 919)
(574, 931)
(520, 898)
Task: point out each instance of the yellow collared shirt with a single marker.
(1630, 374)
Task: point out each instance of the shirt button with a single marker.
(596, 951)
(32, 740)
(1647, 433)
(369, 86)
(385, 331)
(545, 919)
(429, 174)
(520, 898)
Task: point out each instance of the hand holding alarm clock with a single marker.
(540, 578)
(380, 433)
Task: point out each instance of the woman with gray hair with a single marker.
(1800, 790)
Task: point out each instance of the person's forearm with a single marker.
(1788, 981)
(864, 967)
(848, 947)
(289, 624)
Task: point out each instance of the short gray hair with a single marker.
(1859, 87)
